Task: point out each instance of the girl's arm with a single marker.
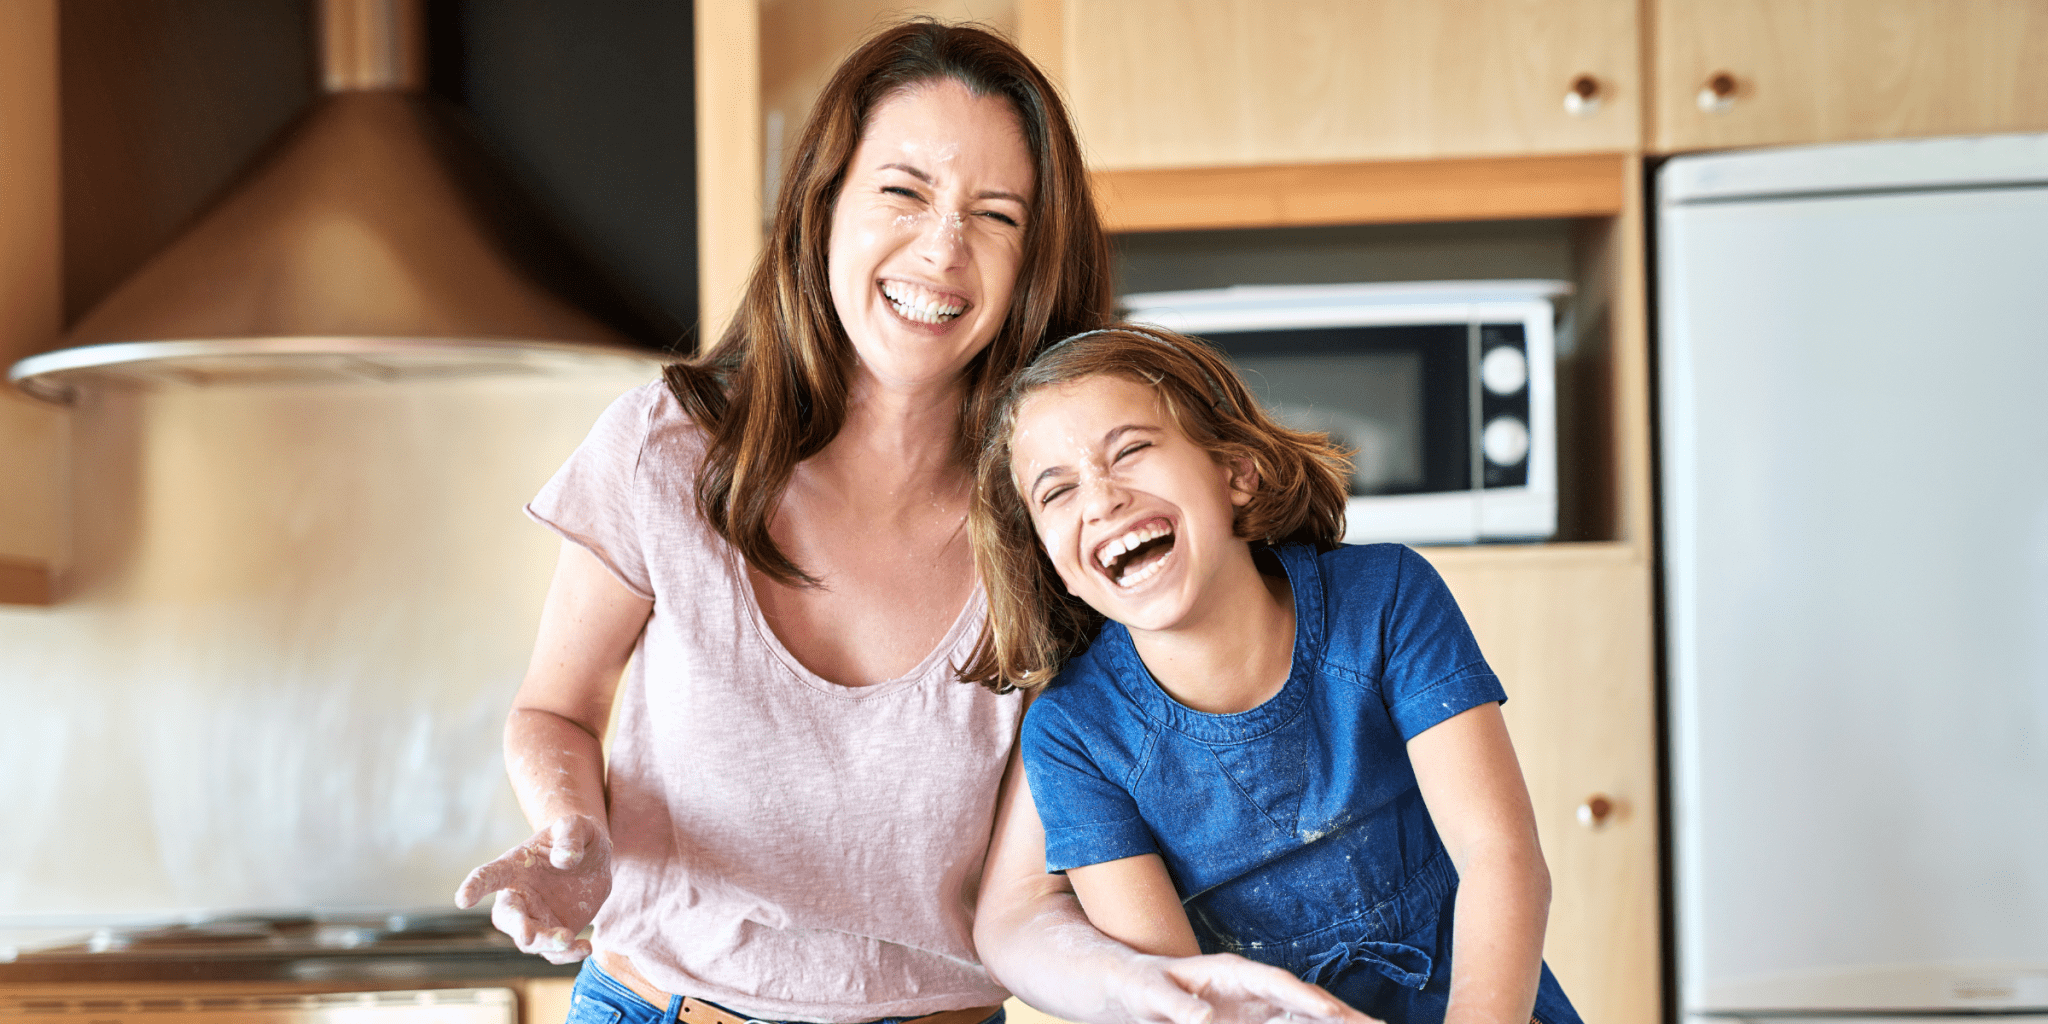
(1035, 940)
(1473, 786)
(1133, 901)
(553, 883)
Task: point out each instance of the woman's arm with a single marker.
(1473, 786)
(1035, 940)
(553, 883)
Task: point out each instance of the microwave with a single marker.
(1444, 392)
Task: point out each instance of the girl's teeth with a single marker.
(1142, 573)
(1115, 549)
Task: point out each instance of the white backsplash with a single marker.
(294, 621)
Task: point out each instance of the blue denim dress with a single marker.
(1294, 832)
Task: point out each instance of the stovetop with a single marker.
(288, 947)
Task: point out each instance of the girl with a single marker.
(1277, 746)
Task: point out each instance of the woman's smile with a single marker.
(919, 304)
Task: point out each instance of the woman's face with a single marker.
(928, 232)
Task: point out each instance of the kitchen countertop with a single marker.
(369, 951)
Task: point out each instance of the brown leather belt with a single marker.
(697, 1011)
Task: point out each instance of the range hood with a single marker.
(352, 253)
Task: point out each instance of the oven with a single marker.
(311, 968)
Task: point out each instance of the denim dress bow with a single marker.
(1403, 965)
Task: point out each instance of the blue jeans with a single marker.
(599, 998)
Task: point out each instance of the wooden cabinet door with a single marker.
(1568, 630)
(1828, 71)
(1191, 83)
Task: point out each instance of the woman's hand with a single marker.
(1035, 940)
(553, 883)
(1218, 989)
(550, 886)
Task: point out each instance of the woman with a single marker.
(801, 794)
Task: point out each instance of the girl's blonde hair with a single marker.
(1034, 625)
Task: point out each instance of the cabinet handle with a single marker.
(1595, 811)
(1718, 95)
(1583, 98)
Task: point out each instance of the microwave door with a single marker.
(1398, 398)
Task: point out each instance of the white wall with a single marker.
(295, 620)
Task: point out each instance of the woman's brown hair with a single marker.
(773, 392)
(1034, 625)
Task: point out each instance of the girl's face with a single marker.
(1136, 518)
(928, 232)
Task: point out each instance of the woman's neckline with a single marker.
(939, 656)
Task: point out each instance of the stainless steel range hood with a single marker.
(352, 253)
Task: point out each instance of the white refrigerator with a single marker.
(1853, 384)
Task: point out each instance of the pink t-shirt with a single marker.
(783, 845)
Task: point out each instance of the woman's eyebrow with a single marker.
(907, 169)
(987, 194)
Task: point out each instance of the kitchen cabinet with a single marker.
(1792, 71)
(1171, 83)
(1568, 629)
(33, 436)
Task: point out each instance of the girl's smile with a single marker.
(1137, 519)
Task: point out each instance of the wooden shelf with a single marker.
(1381, 192)
(26, 583)
(1554, 555)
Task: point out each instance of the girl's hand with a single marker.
(550, 886)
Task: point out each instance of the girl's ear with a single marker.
(1244, 481)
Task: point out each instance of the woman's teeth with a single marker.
(921, 305)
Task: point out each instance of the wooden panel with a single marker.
(804, 41)
(30, 270)
(1825, 71)
(1174, 83)
(1568, 629)
(545, 1000)
(164, 102)
(728, 157)
(1041, 34)
(1362, 193)
(26, 582)
(32, 435)
(1604, 382)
